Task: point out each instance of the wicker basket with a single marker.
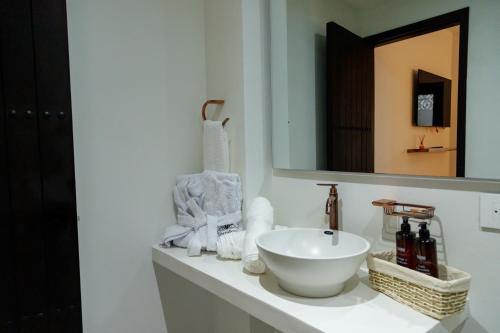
(434, 297)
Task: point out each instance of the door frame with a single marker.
(456, 18)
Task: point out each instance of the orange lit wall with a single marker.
(395, 65)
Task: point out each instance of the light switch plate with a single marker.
(489, 210)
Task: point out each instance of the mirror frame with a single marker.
(425, 182)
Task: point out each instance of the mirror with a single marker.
(386, 86)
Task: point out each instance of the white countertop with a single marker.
(357, 309)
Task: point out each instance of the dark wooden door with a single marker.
(38, 168)
(57, 164)
(23, 160)
(350, 101)
(7, 286)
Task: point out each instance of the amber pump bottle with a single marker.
(426, 252)
(405, 245)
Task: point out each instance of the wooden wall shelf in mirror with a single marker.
(430, 150)
(353, 97)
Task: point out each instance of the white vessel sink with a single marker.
(312, 262)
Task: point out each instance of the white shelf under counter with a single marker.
(357, 309)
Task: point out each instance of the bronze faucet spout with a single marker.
(332, 208)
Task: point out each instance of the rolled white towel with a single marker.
(230, 246)
(259, 220)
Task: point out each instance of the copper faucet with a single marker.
(332, 208)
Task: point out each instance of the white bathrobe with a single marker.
(208, 205)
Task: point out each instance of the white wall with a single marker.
(224, 58)
(257, 98)
(138, 81)
(395, 68)
(279, 83)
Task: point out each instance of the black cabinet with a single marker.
(38, 230)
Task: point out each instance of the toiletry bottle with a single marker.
(426, 252)
(405, 245)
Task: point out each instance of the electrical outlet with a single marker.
(489, 211)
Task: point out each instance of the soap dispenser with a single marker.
(405, 245)
(426, 252)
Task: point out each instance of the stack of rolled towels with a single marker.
(242, 245)
(259, 220)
